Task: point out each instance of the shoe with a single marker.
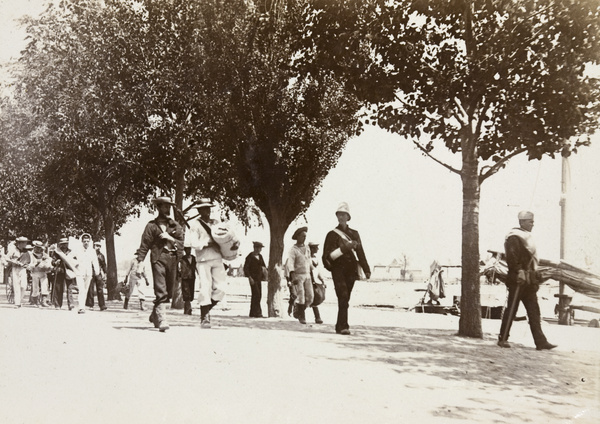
(163, 326)
(546, 346)
(104, 308)
(205, 322)
(142, 306)
(126, 303)
(504, 343)
(344, 332)
(153, 319)
(319, 321)
(81, 311)
(71, 308)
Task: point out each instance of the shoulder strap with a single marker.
(342, 234)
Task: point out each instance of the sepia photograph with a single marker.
(292, 211)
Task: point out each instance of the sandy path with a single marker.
(61, 367)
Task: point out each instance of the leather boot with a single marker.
(187, 307)
(142, 307)
(318, 319)
(301, 314)
(126, 303)
(34, 300)
(161, 318)
(152, 317)
(204, 316)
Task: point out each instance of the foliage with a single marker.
(486, 79)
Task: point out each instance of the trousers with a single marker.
(528, 296)
(343, 280)
(164, 274)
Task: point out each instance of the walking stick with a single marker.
(511, 313)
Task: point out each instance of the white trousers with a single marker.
(19, 282)
(83, 284)
(212, 280)
(39, 283)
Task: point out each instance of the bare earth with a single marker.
(397, 366)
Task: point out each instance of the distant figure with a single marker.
(19, 258)
(98, 280)
(65, 268)
(522, 281)
(343, 255)
(163, 237)
(435, 285)
(88, 268)
(39, 266)
(317, 281)
(253, 269)
(187, 270)
(298, 265)
(133, 281)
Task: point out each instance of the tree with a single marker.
(75, 71)
(279, 133)
(487, 80)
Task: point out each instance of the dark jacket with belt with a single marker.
(348, 260)
(153, 243)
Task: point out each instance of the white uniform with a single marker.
(88, 267)
(209, 263)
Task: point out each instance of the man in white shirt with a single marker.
(88, 268)
(209, 261)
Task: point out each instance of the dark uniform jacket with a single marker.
(518, 257)
(253, 266)
(187, 267)
(347, 260)
(151, 240)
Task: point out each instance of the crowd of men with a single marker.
(52, 270)
(178, 255)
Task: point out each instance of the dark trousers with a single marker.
(256, 291)
(527, 295)
(343, 281)
(164, 273)
(98, 284)
(58, 290)
(188, 286)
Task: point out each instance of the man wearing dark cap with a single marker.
(522, 282)
(98, 280)
(253, 269)
(163, 237)
(298, 267)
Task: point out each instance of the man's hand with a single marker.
(166, 236)
(139, 269)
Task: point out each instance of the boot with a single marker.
(318, 319)
(301, 314)
(152, 317)
(295, 311)
(161, 318)
(291, 308)
(34, 300)
(44, 303)
(204, 316)
(187, 307)
(126, 303)
(142, 307)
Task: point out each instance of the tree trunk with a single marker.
(177, 302)
(470, 302)
(112, 277)
(274, 292)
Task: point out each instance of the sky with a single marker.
(403, 203)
